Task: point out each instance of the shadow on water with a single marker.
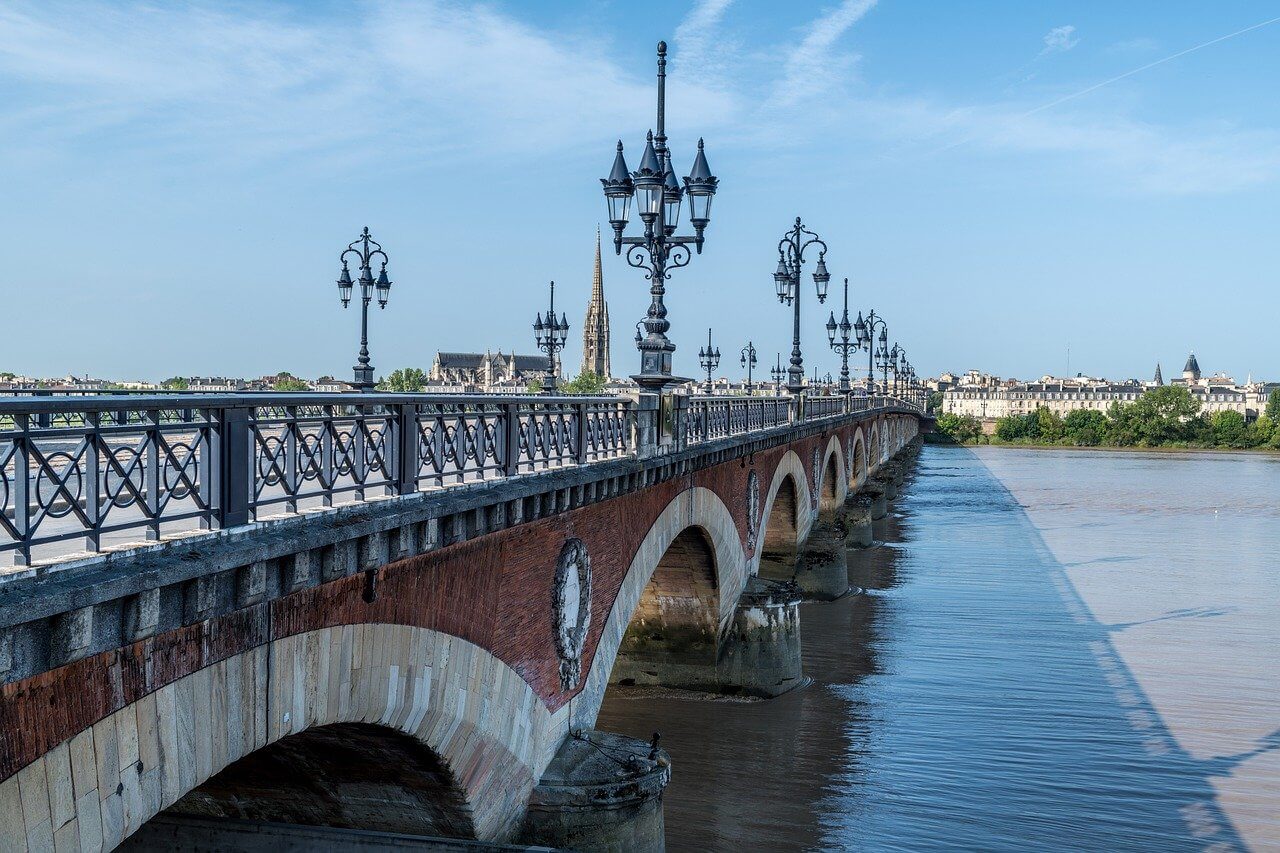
(966, 700)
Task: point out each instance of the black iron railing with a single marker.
(708, 417)
(82, 468)
(108, 470)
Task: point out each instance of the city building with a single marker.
(487, 370)
(595, 328)
(987, 398)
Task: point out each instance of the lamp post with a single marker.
(709, 359)
(865, 331)
(366, 249)
(551, 335)
(778, 374)
(844, 346)
(658, 251)
(748, 361)
(897, 363)
(791, 251)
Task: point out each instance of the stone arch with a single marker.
(874, 452)
(478, 715)
(794, 518)
(673, 634)
(698, 508)
(858, 473)
(354, 775)
(833, 488)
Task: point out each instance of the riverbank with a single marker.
(1226, 451)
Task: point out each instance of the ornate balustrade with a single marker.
(708, 418)
(82, 468)
(109, 470)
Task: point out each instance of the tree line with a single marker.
(1169, 416)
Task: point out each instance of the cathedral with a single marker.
(595, 329)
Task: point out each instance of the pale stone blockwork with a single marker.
(102, 785)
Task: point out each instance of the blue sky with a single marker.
(1002, 181)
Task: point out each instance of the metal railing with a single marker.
(89, 468)
(708, 418)
(109, 470)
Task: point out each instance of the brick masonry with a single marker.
(493, 591)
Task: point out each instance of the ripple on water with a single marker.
(971, 698)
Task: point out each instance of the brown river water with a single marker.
(1057, 650)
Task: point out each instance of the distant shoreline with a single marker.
(1242, 451)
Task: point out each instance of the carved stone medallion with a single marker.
(753, 509)
(571, 609)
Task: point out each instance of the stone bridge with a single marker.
(429, 656)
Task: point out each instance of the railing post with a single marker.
(580, 434)
(235, 467)
(510, 439)
(648, 417)
(22, 488)
(406, 463)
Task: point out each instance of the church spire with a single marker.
(595, 330)
(1159, 378)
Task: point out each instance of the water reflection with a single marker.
(968, 699)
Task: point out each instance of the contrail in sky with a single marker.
(1098, 86)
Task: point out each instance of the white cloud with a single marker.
(699, 47)
(812, 67)
(399, 81)
(1060, 39)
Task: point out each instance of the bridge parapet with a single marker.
(106, 470)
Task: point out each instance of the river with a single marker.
(1063, 650)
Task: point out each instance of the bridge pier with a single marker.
(757, 655)
(602, 791)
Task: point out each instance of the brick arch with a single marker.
(875, 450)
(477, 714)
(698, 508)
(858, 473)
(834, 487)
(789, 469)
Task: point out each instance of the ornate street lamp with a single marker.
(865, 331)
(882, 360)
(551, 335)
(778, 374)
(844, 346)
(709, 359)
(896, 358)
(748, 361)
(658, 251)
(791, 251)
(366, 249)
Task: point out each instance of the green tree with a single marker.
(1049, 425)
(961, 429)
(935, 401)
(1259, 432)
(175, 383)
(286, 381)
(404, 379)
(6, 376)
(1228, 428)
(1011, 428)
(1085, 427)
(1273, 406)
(1163, 415)
(585, 383)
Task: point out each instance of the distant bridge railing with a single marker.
(108, 470)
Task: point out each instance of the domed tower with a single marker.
(1191, 370)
